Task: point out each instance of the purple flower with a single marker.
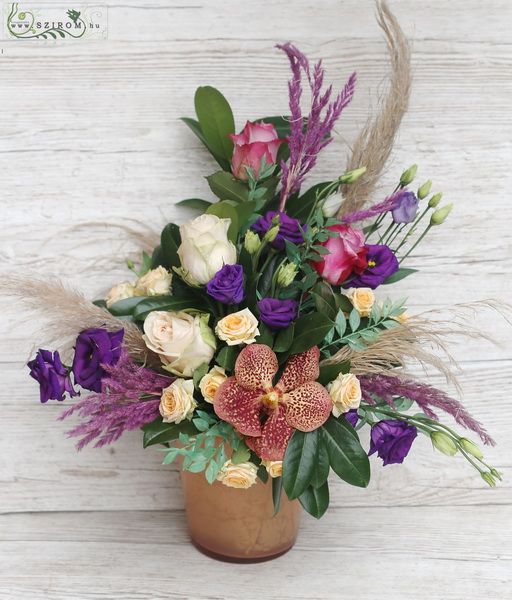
(52, 376)
(289, 228)
(227, 285)
(94, 348)
(277, 314)
(352, 417)
(407, 208)
(392, 440)
(381, 264)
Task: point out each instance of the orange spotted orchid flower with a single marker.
(265, 413)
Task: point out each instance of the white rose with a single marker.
(238, 328)
(362, 300)
(332, 205)
(205, 247)
(211, 382)
(183, 342)
(274, 467)
(177, 402)
(121, 291)
(345, 392)
(240, 476)
(156, 282)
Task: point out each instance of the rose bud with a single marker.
(257, 141)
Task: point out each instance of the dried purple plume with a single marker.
(426, 397)
(118, 407)
(306, 140)
(390, 203)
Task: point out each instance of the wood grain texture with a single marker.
(90, 143)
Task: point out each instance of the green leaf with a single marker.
(300, 207)
(225, 210)
(170, 241)
(321, 472)
(315, 501)
(277, 491)
(343, 303)
(309, 331)
(165, 303)
(195, 203)
(226, 357)
(347, 457)
(199, 373)
(243, 454)
(226, 187)
(244, 212)
(340, 323)
(284, 339)
(266, 336)
(329, 373)
(325, 301)
(126, 307)
(354, 319)
(403, 404)
(158, 432)
(196, 129)
(216, 120)
(211, 471)
(299, 462)
(402, 273)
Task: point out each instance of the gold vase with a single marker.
(238, 525)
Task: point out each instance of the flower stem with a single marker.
(429, 227)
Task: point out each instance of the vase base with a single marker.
(238, 559)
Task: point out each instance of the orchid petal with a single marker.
(274, 437)
(308, 406)
(256, 366)
(238, 406)
(299, 369)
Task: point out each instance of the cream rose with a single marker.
(274, 467)
(345, 392)
(177, 402)
(240, 476)
(205, 247)
(362, 300)
(121, 291)
(238, 328)
(156, 282)
(183, 342)
(210, 383)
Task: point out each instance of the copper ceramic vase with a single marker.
(236, 524)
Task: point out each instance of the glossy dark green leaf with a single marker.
(158, 432)
(226, 187)
(244, 212)
(100, 303)
(277, 491)
(266, 335)
(170, 241)
(127, 306)
(225, 210)
(284, 339)
(322, 468)
(299, 462)
(329, 373)
(402, 273)
(343, 303)
(310, 330)
(195, 203)
(226, 357)
(299, 207)
(196, 129)
(165, 303)
(347, 457)
(315, 501)
(216, 120)
(325, 300)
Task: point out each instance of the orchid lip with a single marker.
(271, 399)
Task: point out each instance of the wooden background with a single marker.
(89, 133)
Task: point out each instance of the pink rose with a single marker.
(256, 141)
(347, 255)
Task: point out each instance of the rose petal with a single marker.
(239, 406)
(299, 369)
(256, 366)
(274, 437)
(308, 406)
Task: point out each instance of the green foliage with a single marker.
(329, 373)
(195, 203)
(199, 373)
(309, 330)
(216, 120)
(300, 207)
(170, 241)
(402, 273)
(315, 500)
(284, 339)
(322, 467)
(300, 462)
(123, 308)
(196, 129)
(226, 187)
(347, 457)
(226, 357)
(158, 432)
(166, 303)
(277, 492)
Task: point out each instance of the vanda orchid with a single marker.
(257, 340)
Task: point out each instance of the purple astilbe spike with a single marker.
(119, 406)
(306, 140)
(426, 397)
(390, 203)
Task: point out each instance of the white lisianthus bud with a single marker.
(252, 242)
(444, 443)
(205, 247)
(408, 175)
(286, 274)
(177, 402)
(156, 282)
(440, 215)
(331, 205)
(240, 476)
(471, 448)
(424, 190)
(121, 291)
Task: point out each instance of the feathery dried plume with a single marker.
(67, 312)
(118, 407)
(375, 142)
(426, 397)
(308, 138)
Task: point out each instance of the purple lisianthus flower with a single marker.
(277, 314)
(381, 264)
(392, 440)
(52, 376)
(227, 285)
(406, 209)
(289, 228)
(352, 417)
(94, 348)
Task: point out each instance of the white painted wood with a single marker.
(90, 132)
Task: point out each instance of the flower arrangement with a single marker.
(257, 341)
